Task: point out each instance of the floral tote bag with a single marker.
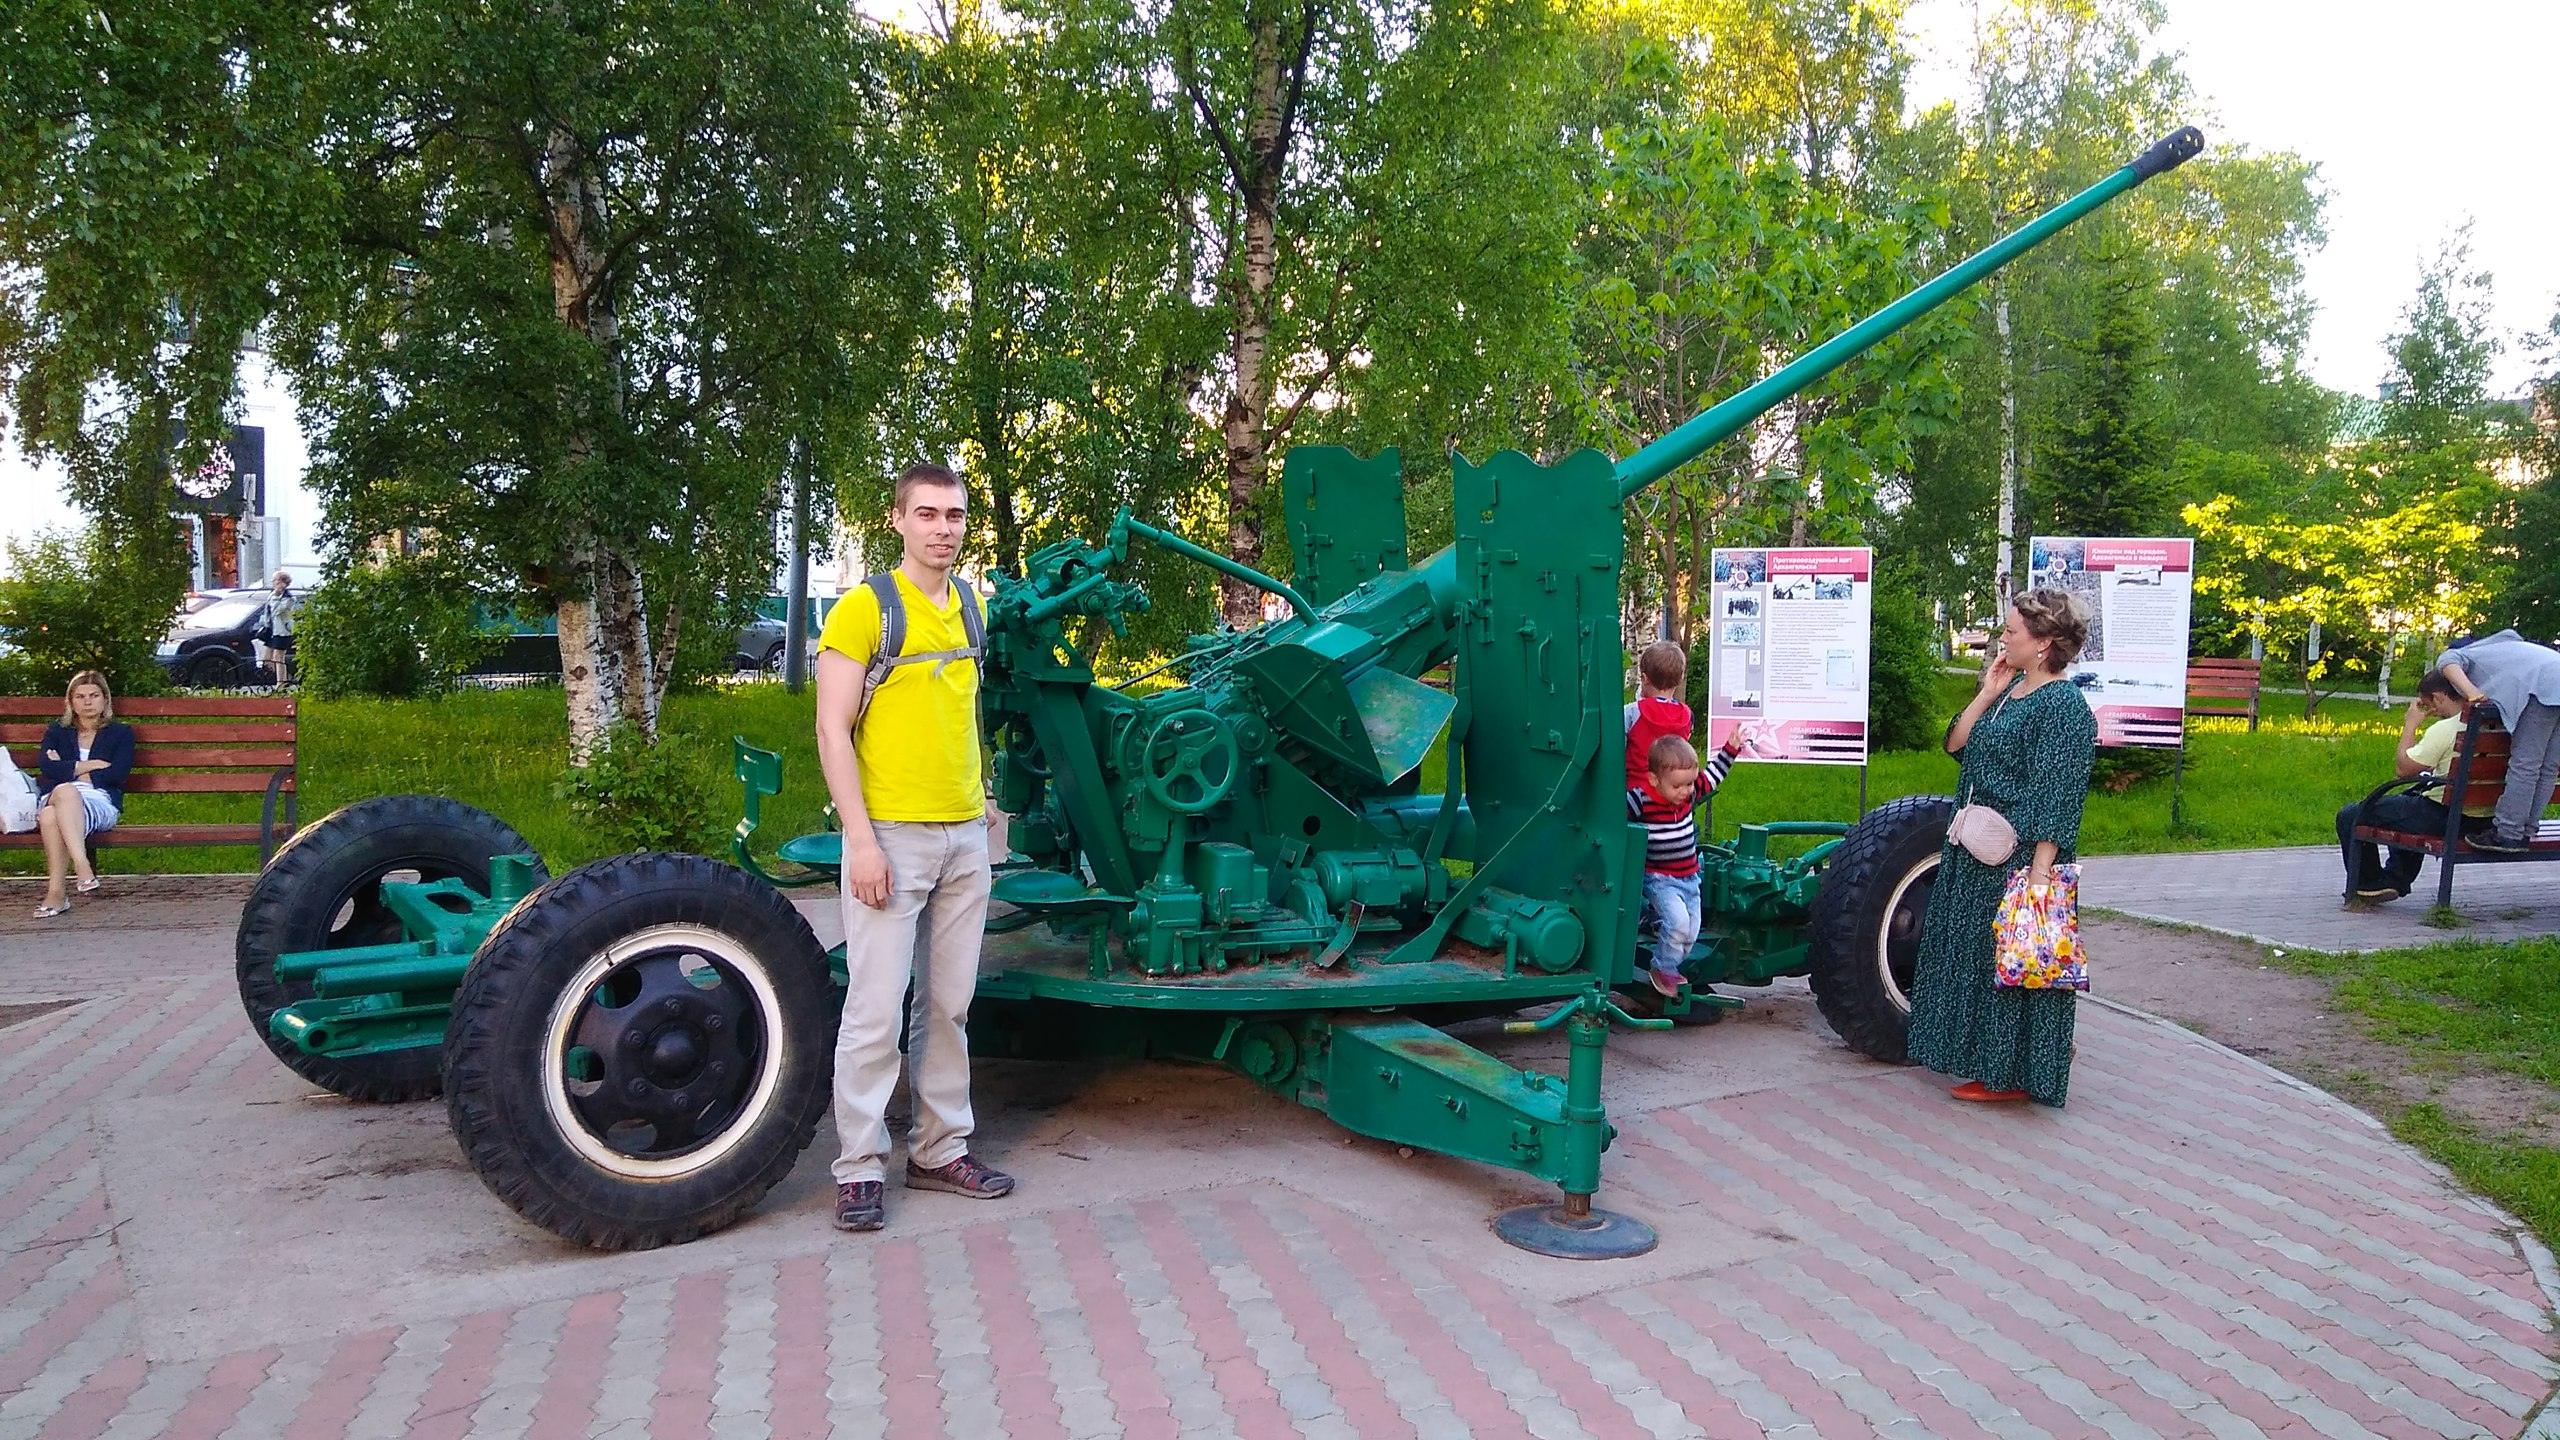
(2036, 934)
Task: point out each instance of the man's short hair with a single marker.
(2433, 683)
(1663, 665)
(1670, 755)
(925, 472)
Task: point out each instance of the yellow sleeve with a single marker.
(2434, 747)
(853, 627)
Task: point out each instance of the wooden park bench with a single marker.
(2479, 774)
(181, 744)
(2229, 688)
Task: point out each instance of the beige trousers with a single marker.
(938, 879)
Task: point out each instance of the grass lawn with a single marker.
(501, 750)
(2467, 1006)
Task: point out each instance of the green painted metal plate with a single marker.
(1345, 517)
(1033, 966)
(823, 851)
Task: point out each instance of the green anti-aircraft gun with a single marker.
(1242, 870)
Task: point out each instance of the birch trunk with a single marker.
(2003, 580)
(1248, 412)
(605, 660)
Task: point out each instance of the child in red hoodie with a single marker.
(1665, 779)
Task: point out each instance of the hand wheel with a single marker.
(1189, 762)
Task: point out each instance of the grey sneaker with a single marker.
(964, 1176)
(858, 1205)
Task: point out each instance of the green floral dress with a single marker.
(2028, 759)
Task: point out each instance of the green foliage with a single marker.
(2119, 768)
(2105, 477)
(641, 792)
(73, 602)
(399, 629)
(2532, 598)
(1903, 683)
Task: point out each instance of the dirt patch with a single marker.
(21, 1013)
(2238, 992)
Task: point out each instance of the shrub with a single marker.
(641, 794)
(73, 602)
(2119, 768)
(401, 629)
(1902, 695)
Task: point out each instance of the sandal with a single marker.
(87, 887)
(47, 912)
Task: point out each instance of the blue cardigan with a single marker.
(114, 745)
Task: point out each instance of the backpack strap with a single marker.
(893, 636)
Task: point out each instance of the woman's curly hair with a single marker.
(2058, 618)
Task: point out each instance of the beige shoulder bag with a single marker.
(1985, 833)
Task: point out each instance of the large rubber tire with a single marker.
(319, 893)
(1864, 940)
(641, 1050)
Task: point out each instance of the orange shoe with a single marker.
(1981, 1094)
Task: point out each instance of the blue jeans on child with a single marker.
(1675, 905)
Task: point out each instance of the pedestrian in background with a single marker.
(281, 607)
(84, 760)
(2027, 740)
(2523, 680)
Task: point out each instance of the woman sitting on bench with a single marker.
(2523, 680)
(86, 757)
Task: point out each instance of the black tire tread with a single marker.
(290, 875)
(507, 975)
(1840, 937)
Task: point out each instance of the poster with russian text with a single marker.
(1788, 652)
(2139, 593)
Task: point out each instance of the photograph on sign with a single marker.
(1789, 651)
(2133, 671)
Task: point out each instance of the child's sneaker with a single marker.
(1666, 983)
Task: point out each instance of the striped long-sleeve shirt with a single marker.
(1671, 831)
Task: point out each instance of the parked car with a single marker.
(759, 645)
(213, 644)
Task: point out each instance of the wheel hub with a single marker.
(661, 1053)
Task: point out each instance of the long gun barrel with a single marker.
(1721, 423)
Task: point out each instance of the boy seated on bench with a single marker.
(2370, 882)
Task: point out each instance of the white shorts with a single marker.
(101, 810)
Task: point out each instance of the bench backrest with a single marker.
(2487, 777)
(2218, 677)
(224, 743)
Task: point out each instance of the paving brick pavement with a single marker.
(2197, 1247)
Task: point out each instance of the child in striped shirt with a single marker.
(1664, 803)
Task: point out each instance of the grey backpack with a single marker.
(893, 635)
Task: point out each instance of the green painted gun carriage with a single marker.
(1240, 870)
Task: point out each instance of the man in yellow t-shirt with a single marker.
(2369, 881)
(903, 766)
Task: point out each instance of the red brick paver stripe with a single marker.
(1470, 1395)
(2416, 1321)
(696, 1320)
(119, 1056)
(1929, 1217)
(335, 1399)
(99, 1400)
(83, 1308)
(2274, 1140)
(2097, 1272)
(1024, 1392)
(218, 1399)
(2002, 1314)
(911, 1390)
(1545, 1355)
(1700, 1401)
(462, 1377)
(1250, 1401)
(2311, 1354)
(1128, 1372)
(567, 1404)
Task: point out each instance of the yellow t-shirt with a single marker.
(2434, 748)
(918, 742)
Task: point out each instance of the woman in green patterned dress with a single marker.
(2026, 740)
